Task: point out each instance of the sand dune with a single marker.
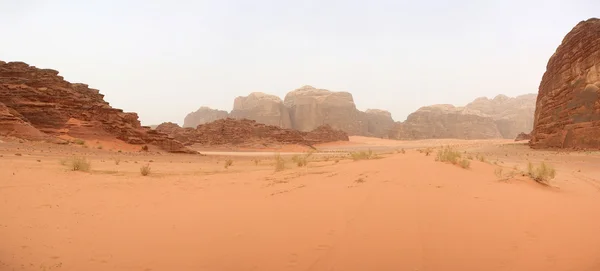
(399, 212)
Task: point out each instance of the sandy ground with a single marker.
(398, 212)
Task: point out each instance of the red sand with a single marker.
(401, 212)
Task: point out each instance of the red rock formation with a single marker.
(567, 113)
(523, 136)
(244, 132)
(43, 100)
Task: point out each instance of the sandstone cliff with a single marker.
(203, 115)
(567, 113)
(264, 108)
(40, 101)
(311, 107)
(512, 115)
(446, 121)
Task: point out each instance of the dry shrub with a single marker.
(464, 163)
(447, 154)
(363, 155)
(279, 162)
(498, 172)
(117, 160)
(77, 163)
(145, 170)
(542, 173)
(78, 141)
(228, 163)
(256, 161)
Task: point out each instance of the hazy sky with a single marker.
(164, 59)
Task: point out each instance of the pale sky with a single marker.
(164, 59)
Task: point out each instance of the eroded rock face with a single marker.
(203, 115)
(567, 113)
(379, 122)
(264, 108)
(43, 100)
(11, 125)
(249, 133)
(512, 115)
(446, 121)
(311, 108)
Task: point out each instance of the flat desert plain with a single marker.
(400, 210)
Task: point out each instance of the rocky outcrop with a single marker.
(42, 99)
(264, 108)
(249, 133)
(203, 115)
(378, 122)
(523, 136)
(446, 121)
(311, 108)
(567, 113)
(11, 125)
(512, 115)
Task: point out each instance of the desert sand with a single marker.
(401, 211)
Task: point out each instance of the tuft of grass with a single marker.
(302, 161)
(79, 141)
(542, 173)
(363, 155)
(498, 172)
(337, 161)
(18, 154)
(279, 162)
(228, 163)
(100, 147)
(145, 148)
(481, 158)
(256, 161)
(359, 180)
(470, 157)
(117, 160)
(464, 163)
(145, 170)
(76, 163)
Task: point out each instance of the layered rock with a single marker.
(567, 113)
(446, 121)
(264, 108)
(249, 133)
(512, 115)
(42, 99)
(311, 108)
(203, 115)
(378, 122)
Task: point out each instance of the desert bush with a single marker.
(363, 155)
(256, 161)
(447, 154)
(542, 173)
(77, 163)
(279, 162)
(117, 160)
(100, 147)
(464, 163)
(481, 158)
(145, 148)
(145, 170)
(228, 163)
